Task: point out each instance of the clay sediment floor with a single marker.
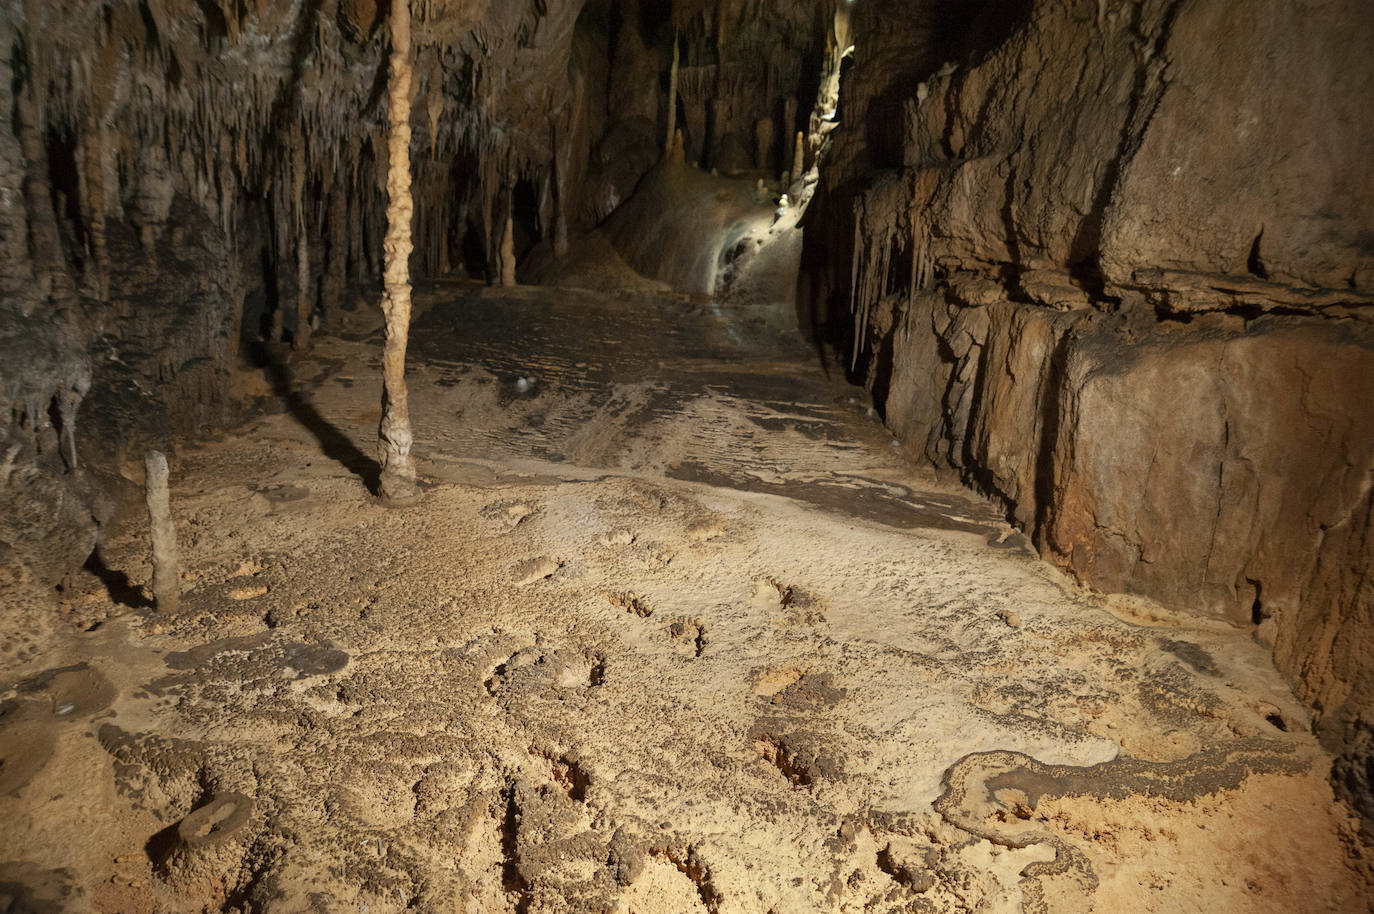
(673, 628)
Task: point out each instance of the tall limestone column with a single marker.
(398, 472)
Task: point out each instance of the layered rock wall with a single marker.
(1117, 272)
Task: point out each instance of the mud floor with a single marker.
(674, 627)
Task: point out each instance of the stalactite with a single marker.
(488, 221)
(16, 273)
(719, 114)
(95, 185)
(335, 278)
(354, 239)
(54, 281)
(440, 233)
(303, 281)
(277, 236)
(434, 106)
(397, 479)
(545, 203)
(562, 153)
(855, 303)
(236, 301)
(789, 129)
(672, 99)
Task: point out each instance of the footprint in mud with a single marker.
(505, 516)
(28, 721)
(535, 668)
(799, 755)
(629, 602)
(688, 636)
(281, 494)
(27, 742)
(803, 607)
(246, 589)
(770, 592)
(617, 539)
(704, 531)
(908, 864)
(656, 558)
(566, 771)
(769, 682)
(809, 694)
(647, 498)
(533, 570)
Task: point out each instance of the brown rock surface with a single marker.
(1066, 196)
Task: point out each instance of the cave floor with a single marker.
(673, 627)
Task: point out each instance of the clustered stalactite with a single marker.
(266, 120)
(739, 70)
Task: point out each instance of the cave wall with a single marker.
(183, 181)
(180, 179)
(1111, 262)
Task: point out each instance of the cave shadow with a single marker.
(160, 847)
(335, 444)
(117, 584)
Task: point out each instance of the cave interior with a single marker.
(662, 456)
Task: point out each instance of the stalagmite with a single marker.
(799, 158)
(397, 471)
(166, 581)
(763, 142)
(789, 127)
(672, 100)
(507, 257)
(717, 110)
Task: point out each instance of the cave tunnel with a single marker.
(664, 456)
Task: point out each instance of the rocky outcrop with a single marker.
(1115, 269)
